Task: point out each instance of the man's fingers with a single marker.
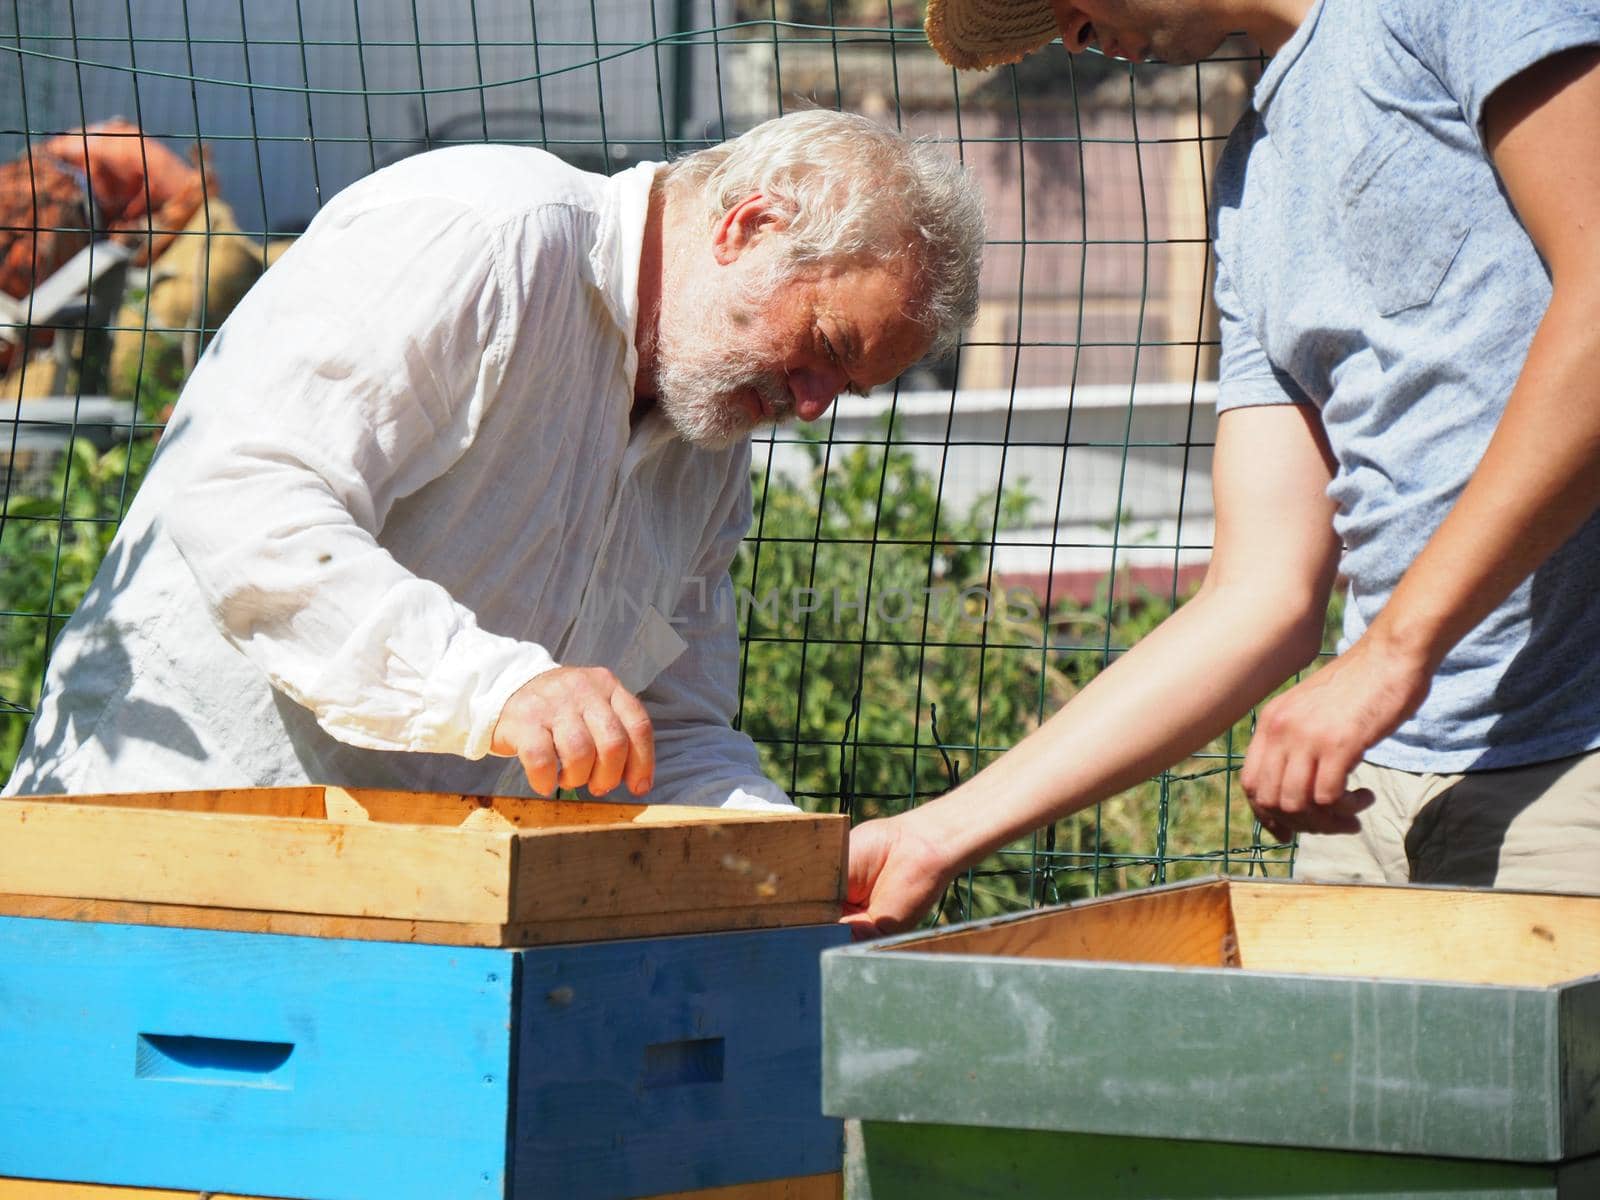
(640, 772)
(867, 923)
(538, 757)
(1263, 768)
(576, 749)
(862, 926)
(578, 727)
(1294, 784)
(895, 876)
(610, 745)
(1329, 787)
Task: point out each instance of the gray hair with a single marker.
(852, 189)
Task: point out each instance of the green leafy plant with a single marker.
(51, 544)
(866, 602)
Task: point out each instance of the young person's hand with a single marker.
(1308, 740)
(895, 877)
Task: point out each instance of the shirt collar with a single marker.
(1288, 54)
(616, 252)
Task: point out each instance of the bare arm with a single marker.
(1256, 619)
(1537, 483)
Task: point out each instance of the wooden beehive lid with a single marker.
(418, 867)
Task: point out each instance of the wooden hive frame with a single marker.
(416, 867)
(1520, 939)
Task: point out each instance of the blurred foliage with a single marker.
(903, 619)
(51, 544)
(53, 536)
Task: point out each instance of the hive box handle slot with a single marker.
(697, 1060)
(230, 1062)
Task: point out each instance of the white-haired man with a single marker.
(461, 479)
(1408, 245)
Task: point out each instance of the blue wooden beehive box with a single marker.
(349, 1060)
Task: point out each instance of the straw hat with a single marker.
(988, 33)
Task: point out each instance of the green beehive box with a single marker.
(1228, 1038)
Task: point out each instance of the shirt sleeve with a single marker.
(1475, 47)
(354, 373)
(1246, 377)
(700, 758)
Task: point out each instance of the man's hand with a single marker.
(1309, 739)
(577, 727)
(895, 877)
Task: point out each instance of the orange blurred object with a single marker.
(143, 192)
(107, 180)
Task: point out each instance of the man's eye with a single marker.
(833, 357)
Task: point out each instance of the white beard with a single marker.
(707, 352)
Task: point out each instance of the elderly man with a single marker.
(460, 481)
(1408, 239)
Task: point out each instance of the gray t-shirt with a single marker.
(1371, 264)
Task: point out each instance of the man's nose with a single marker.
(1074, 26)
(814, 391)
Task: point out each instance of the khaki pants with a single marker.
(1527, 829)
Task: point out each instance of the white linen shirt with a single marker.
(401, 483)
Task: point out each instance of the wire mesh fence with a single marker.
(933, 569)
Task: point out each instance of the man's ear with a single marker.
(744, 224)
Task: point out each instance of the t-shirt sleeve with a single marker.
(1475, 47)
(1246, 376)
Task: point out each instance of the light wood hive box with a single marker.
(1227, 1038)
(333, 994)
(416, 867)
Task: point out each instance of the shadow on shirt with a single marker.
(98, 683)
(1459, 836)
